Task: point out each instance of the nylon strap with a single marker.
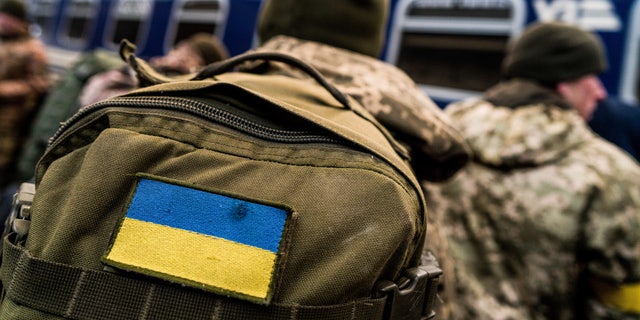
(78, 293)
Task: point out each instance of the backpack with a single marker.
(228, 195)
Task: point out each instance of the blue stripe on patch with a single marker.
(207, 213)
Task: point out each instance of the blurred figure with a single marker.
(619, 123)
(96, 76)
(544, 223)
(188, 56)
(60, 104)
(343, 41)
(191, 54)
(99, 75)
(24, 80)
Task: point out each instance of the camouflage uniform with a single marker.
(544, 207)
(437, 150)
(387, 93)
(23, 83)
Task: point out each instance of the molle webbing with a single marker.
(79, 293)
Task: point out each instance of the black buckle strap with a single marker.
(79, 293)
(83, 294)
(414, 296)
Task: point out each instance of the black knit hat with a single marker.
(208, 46)
(553, 52)
(356, 25)
(14, 8)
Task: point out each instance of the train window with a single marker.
(453, 48)
(43, 14)
(128, 21)
(193, 16)
(630, 71)
(456, 61)
(459, 9)
(78, 22)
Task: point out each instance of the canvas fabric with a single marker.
(337, 200)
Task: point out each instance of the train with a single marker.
(451, 48)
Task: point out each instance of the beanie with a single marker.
(553, 52)
(14, 8)
(208, 46)
(356, 25)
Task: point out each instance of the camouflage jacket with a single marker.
(544, 207)
(437, 149)
(390, 95)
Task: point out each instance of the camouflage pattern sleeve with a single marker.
(464, 294)
(611, 232)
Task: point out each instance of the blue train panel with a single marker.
(451, 48)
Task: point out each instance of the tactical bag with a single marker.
(228, 196)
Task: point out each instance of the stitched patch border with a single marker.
(211, 240)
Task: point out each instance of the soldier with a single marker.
(543, 223)
(343, 42)
(23, 83)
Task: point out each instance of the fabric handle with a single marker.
(227, 65)
(149, 76)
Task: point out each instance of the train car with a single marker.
(70, 27)
(451, 48)
(454, 48)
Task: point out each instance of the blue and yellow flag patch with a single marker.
(211, 241)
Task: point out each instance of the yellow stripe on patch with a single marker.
(203, 260)
(624, 297)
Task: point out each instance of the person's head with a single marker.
(13, 17)
(191, 54)
(356, 25)
(563, 57)
(583, 94)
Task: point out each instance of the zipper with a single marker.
(212, 110)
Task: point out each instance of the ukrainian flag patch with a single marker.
(211, 241)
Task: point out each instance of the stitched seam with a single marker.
(10, 287)
(353, 310)
(76, 292)
(147, 304)
(216, 310)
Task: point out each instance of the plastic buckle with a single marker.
(414, 297)
(20, 218)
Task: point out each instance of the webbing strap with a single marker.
(78, 293)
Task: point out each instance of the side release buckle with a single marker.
(19, 219)
(413, 297)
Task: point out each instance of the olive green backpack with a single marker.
(226, 196)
